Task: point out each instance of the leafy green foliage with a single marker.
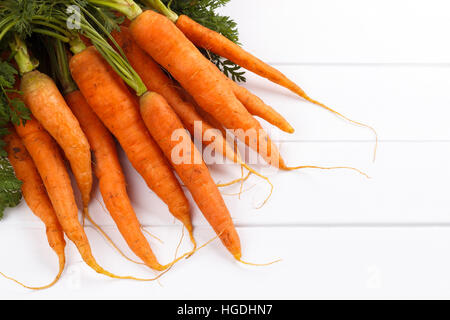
(20, 13)
(15, 111)
(10, 192)
(11, 110)
(204, 12)
(106, 17)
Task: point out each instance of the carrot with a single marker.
(220, 45)
(118, 109)
(37, 199)
(156, 80)
(258, 108)
(45, 153)
(111, 179)
(48, 106)
(215, 42)
(160, 38)
(162, 122)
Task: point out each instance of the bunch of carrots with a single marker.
(136, 73)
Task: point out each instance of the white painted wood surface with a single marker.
(385, 63)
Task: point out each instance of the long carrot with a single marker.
(162, 122)
(37, 199)
(48, 106)
(45, 153)
(118, 109)
(160, 38)
(156, 80)
(215, 42)
(111, 179)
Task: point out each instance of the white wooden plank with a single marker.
(407, 180)
(317, 263)
(401, 103)
(346, 31)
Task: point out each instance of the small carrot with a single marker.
(118, 109)
(162, 122)
(258, 108)
(37, 199)
(111, 179)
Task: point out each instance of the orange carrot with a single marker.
(48, 106)
(156, 80)
(45, 153)
(220, 45)
(118, 109)
(160, 38)
(162, 122)
(217, 43)
(37, 199)
(111, 179)
(258, 108)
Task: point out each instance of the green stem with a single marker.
(7, 28)
(21, 56)
(77, 45)
(159, 6)
(128, 7)
(51, 34)
(117, 60)
(49, 19)
(52, 26)
(60, 64)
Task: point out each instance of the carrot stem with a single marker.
(21, 55)
(162, 8)
(77, 45)
(128, 7)
(58, 57)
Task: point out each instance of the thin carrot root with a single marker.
(257, 264)
(231, 183)
(151, 235)
(307, 98)
(100, 270)
(84, 214)
(242, 182)
(189, 254)
(327, 168)
(264, 178)
(108, 239)
(58, 276)
(242, 191)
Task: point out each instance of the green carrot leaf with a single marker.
(10, 186)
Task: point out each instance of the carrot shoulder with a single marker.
(118, 109)
(36, 197)
(111, 179)
(162, 122)
(48, 106)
